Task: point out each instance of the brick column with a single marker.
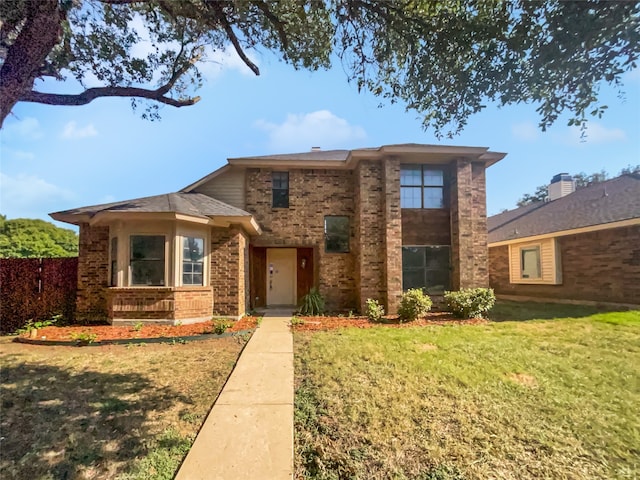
(93, 273)
(228, 271)
(469, 253)
(369, 223)
(393, 234)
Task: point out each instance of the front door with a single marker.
(281, 276)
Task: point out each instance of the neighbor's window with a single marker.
(280, 189)
(147, 260)
(421, 186)
(530, 263)
(114, 262)
(192, 261)
(336, 234)
(426, 267)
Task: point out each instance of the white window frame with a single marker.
(167, 253)
(549, 258)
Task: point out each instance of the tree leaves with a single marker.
(29, 238)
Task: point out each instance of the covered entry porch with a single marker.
(281, 275)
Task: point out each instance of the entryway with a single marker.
(281, 276)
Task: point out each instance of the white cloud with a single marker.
(526, 131)
(28, 128)
(71, 131)
(305, 130)
(28, 195)
(595, 133)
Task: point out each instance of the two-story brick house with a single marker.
(261, 231)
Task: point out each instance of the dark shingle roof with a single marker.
(195, 204)
(339, 155)
(611, 201)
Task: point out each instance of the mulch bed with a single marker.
(432, 318)
(108, 332)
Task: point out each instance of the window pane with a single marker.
(433, 197)
(193, 249)
(412, 257)
(280, 198)
(412, 279)
(280, 189)
(411, 175)
(149, 247)
(280, 180)
(410, 197)
(147, 272)
(531, 262)
(433, 178)
(336, 232)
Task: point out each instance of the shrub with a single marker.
(414, 303)
(221, 325)
(470, 302)
(31, 325)
(312, 303)
(295, 321)
(84, 338)
(375, 311)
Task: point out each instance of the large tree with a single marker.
(445, 59)
(32, 238)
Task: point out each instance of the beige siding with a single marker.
(228, 187)
(550, 265)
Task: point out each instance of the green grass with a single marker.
(510, 400)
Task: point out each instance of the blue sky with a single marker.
(55, 158)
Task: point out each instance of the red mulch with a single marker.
(432, 318)
(108, 332)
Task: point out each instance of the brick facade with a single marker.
(169, 304)
(313, 194)
(393, 234)
(93, 274)
(596, 266)
(229, 271)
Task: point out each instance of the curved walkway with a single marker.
(248, 433)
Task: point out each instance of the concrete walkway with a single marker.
(249, 432)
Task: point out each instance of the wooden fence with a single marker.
(36, 288)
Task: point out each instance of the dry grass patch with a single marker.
(112, 412)
(511, 400)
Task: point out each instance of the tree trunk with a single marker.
(38, 36)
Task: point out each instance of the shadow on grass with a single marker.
(61, 424)
(506, 310)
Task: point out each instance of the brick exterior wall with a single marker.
(370, 233)
(426, 227)
(229, 271)
(93, 274)
(312, 195)
(469, 252)
(393, 234)
(189, 303)
(596, 266)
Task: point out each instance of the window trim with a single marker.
(348, 235)
(531, 248)
(549, 258)
(113, 261)
(181, 261)
(274, 189)
(423, 187)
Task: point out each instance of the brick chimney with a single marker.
(561, 184)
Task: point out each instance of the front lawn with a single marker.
(110, 412)
(553, 398)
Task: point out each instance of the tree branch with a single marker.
(276, 22)
(91, 94)
(217, 8)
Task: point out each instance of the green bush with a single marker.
(375, 311)
(221, 325)
(312, 303)
(470, 302)
(414, 303)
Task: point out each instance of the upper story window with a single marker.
(147, 260)
(192, 261)
(421, 186)
(280, 189)
(336, 234)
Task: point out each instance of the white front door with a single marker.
(281, 276)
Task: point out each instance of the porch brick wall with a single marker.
(370, 233)
(596, 266)
(469, 251)
(93, 274)
(229, 250)
(312, 195)
(160, 303)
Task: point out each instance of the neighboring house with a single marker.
(261, 231)
(582, 245)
